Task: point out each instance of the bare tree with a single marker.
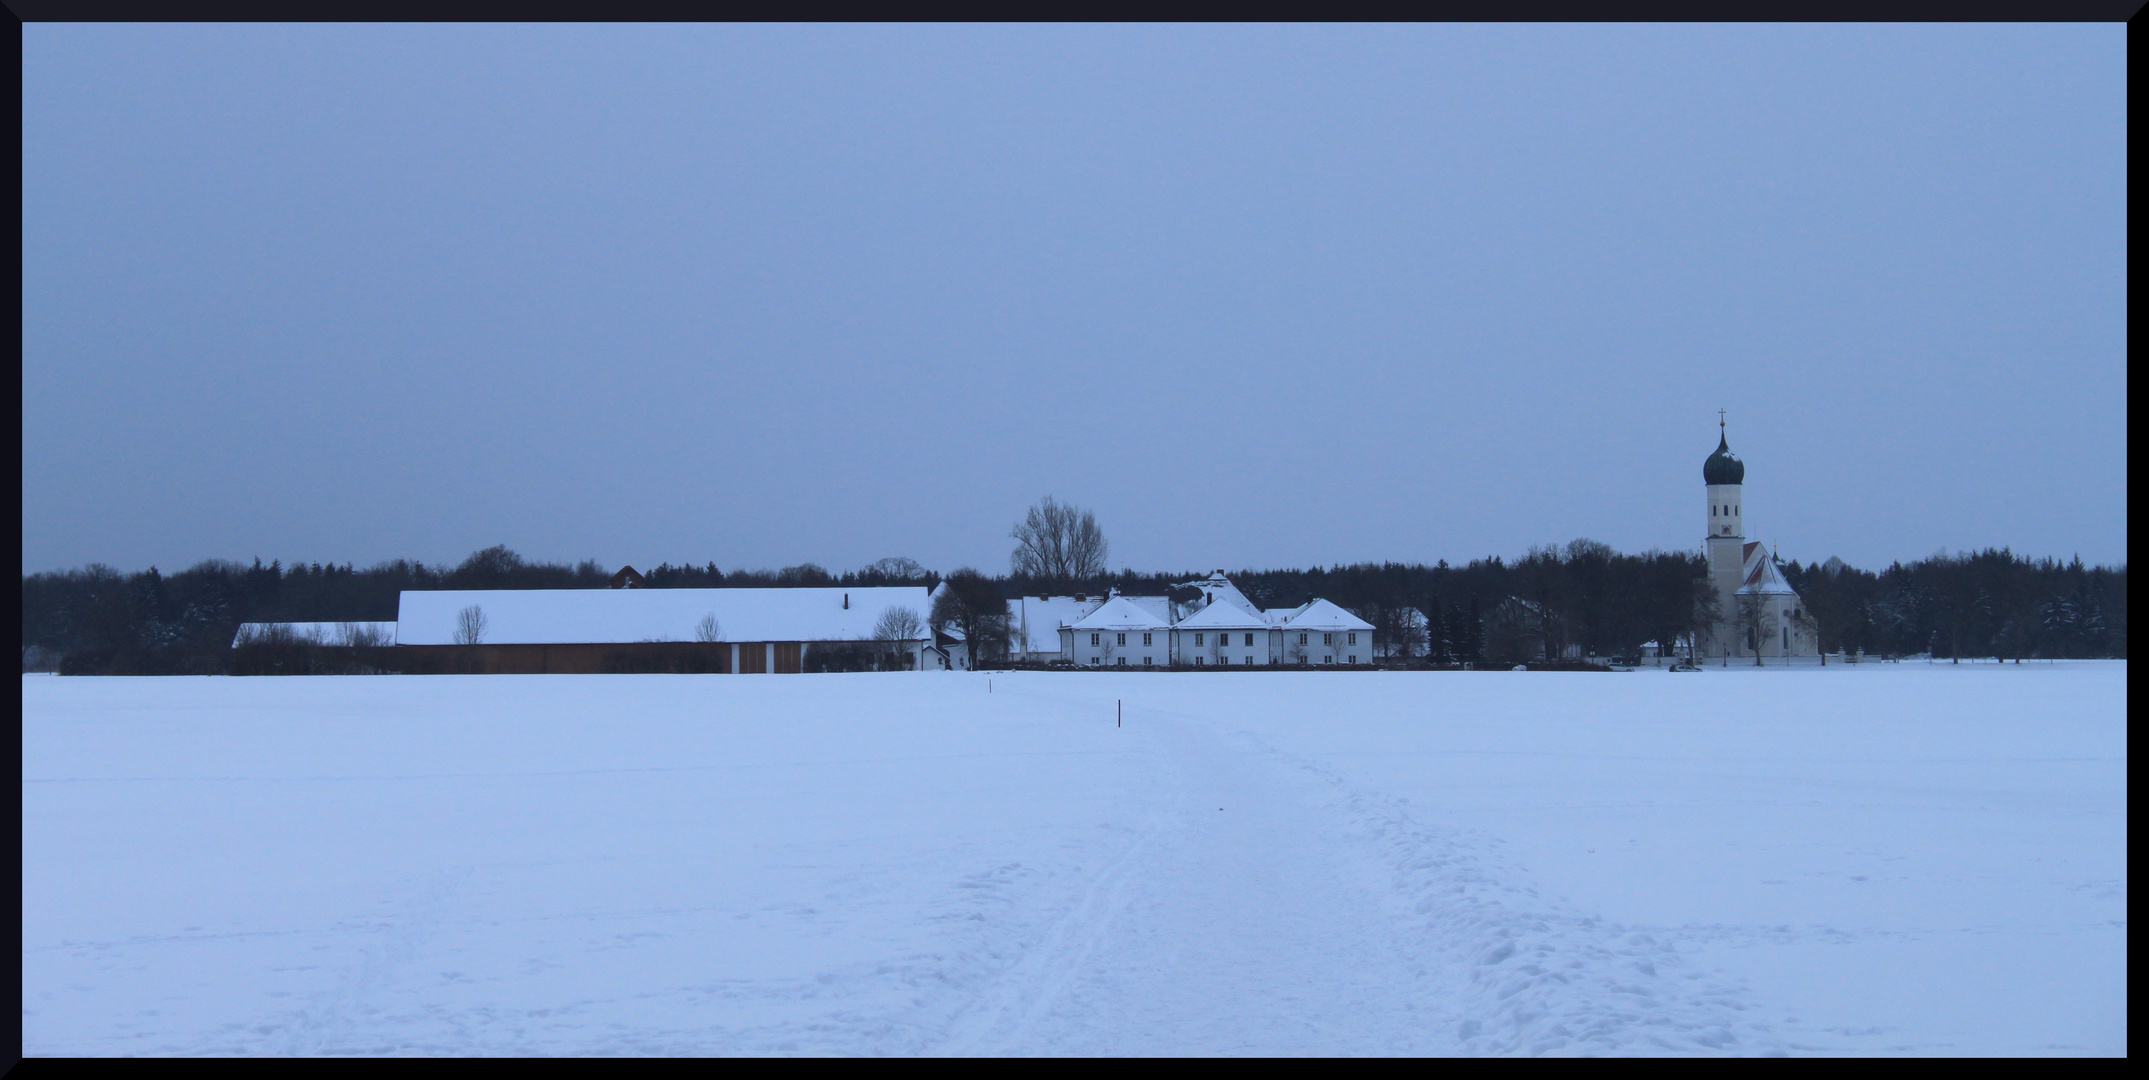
(1059, 542)
(470, 625)
(971, 603)
(1751, 618)
(899, 623)
(708, 629)
(1707, 619)
(359, 635)
(898, 627)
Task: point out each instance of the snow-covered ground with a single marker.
(1886, 859)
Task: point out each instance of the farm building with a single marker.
(743, 631)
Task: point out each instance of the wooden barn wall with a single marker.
(673, 657)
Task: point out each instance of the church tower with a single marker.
(1725, 476)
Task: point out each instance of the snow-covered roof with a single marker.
(1224, 615)
(566, 616)
(1217, 587)
(1122, 613)
(1763, 581)
(1322, 615)
(320, 633)
(1037, 619)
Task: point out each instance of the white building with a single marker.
(1210, 623)
(1120, 633)
(1758, 615)
(1225, 633)
(1322, 633)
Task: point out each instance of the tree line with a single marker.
(1582, 597)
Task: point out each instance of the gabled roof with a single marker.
(1216, 587)
(1121, 613)
(1762, 580)
(612, 616)
(1322, 615)
(1224, 615)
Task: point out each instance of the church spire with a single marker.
(1723, 466)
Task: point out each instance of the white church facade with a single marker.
(1758, 615)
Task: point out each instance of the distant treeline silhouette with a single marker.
(1584, 598)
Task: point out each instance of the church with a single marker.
(1757, 616)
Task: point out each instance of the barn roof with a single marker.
(609, 616)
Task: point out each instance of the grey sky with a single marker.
(1258, 296)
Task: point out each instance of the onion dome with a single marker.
(1723, 466)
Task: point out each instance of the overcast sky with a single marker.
(1258, 297)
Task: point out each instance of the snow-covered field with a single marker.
(1887, 859)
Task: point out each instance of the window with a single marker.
(1249, 641)
(1197, 661)
(1302, 639)
(1093, 661)
(1122, 641)
(1146, 662)
(1093, 638)
(1712, 513)
(1122, 661)
(1197, 639)
(1145, 639)
(1327, 659)
(1351, 638)
(1353, 659)
(1302, 658)
(1328, 639)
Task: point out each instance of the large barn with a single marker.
(743, 631)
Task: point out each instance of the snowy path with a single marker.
(1237, 923)
(866, 865)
